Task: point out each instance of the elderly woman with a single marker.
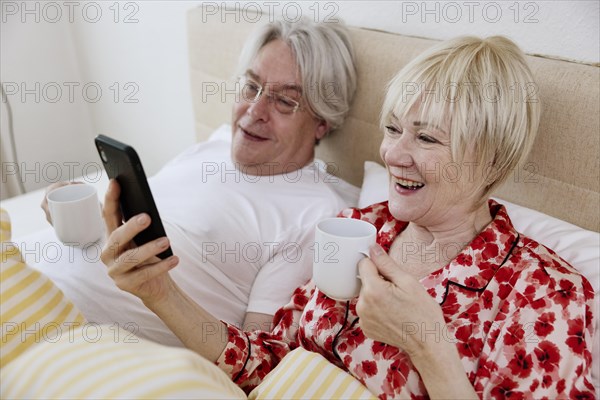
(455, 303)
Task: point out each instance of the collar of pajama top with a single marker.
(472, 268)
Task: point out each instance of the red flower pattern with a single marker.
(545, 324)
(521, 363)
(576, 339)
(506, 390)
(366, 369)
(548, 355)
(517, 313)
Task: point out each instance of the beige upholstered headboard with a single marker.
(561, 177)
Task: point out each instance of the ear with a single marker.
(321, 129)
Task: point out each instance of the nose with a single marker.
(259, 110)
(397, 152)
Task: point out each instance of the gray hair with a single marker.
(325, 59)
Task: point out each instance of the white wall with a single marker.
(567, 29)
(53, 131)
(126, 64)
(144, 54)
(141, 46)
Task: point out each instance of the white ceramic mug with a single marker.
(76, 214)
(340, 243)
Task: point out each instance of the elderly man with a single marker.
(240, 216)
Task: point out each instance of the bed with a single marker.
(554, 197)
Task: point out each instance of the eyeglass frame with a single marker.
(243, 80)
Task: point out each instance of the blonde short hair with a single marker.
(485, 89)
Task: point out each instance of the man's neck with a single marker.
(272, 168)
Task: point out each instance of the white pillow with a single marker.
(580, 247)
(375, 185)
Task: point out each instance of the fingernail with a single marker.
(142, 219)
(163, 242)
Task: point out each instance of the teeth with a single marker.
(410, 183)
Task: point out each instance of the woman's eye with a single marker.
(392, 130)
(427, 138)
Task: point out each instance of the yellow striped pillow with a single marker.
(303, 374)
(32, 308)
(104, 362)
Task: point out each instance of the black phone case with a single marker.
(122, 163)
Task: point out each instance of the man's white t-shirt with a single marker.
(244, 242)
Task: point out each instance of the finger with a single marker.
(371, 287)
(112, 210)
(367, 272)
(121, 238)
(46, 210)
(386, 266)
(130, 259)
(137, 277)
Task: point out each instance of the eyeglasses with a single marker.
(251, 91)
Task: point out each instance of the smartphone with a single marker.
(122, 163)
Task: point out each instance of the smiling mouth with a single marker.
(252, 136)
(408, 184)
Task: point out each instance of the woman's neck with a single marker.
(424, 249)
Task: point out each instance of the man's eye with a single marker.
(392, 130)
(252, 87)
(285, 102)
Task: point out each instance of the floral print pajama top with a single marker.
(520, 316)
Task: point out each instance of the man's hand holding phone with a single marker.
(136, 270)
(123, 164)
